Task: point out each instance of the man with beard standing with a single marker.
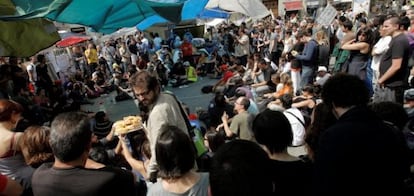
(158, 109)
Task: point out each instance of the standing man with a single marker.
(240, 125)
(308, 57)
(359, 153)
(70, 140)
(32, 73)
(43, 78)
(157, 109)
(109, 55)
(394, 69)
(242, 49)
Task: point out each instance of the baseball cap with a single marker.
(322, 68)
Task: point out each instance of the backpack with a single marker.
(323, 55)
(315, 55)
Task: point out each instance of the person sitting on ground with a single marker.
(260, 87)
(216, 108)
(240, 167)
(35, 146)
(212, 141)
(322, 76)
(176, 158)
(291, 175)
(178, 74)
(240, 126)
(102, 126)
(287, 87)
(70, 140)
(190, 72)
(135, 149)
(305, 102)
(12, 162)
(321, 119)
(295, 117)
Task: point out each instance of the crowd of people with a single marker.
(277, 89)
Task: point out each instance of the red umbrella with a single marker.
(72, 40)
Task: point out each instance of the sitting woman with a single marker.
(12, 163)
(287, 87)
(176, 158)
(305, 102)
(36, 149)
(291, 175)
(35, 146)
(136, 150)
(212, 141)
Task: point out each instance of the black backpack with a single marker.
(315, 55)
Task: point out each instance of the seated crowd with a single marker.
(282, 120)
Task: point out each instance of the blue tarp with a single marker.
(214, 13)
(190, 11)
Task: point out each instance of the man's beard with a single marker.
(148, 102)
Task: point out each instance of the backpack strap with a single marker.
(301, 122)
(190, 128)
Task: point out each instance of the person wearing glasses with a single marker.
(240, 126)
(157, 109)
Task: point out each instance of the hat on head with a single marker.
(322, 68)
(186, 63)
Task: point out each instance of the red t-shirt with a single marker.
(227, 75)
(187, 49)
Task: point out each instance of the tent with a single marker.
(213, 13)
(190, 11)
(71, 40)
(17, 37)
(27, 22)
(105, 16)
(252, 8)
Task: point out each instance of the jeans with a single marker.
(307, 76)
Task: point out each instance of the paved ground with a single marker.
(190, 95)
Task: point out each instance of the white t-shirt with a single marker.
(294, 115)
(31, 69)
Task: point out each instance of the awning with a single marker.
(293, 5)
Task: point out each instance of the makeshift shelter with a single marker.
(190, 11)
(108, 15)
(252, 8)
(72, 40)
